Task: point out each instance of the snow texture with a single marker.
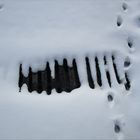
(33, 32)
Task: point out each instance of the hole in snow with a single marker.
(57, 78)
(30, 80)
(127, 84)
(108, 77)
(119, 21)
(66, 78)
(115, 70)
(21, 78)
(98, 73)
(105, 61)
(89, 75)
(47, 75)
(107, 72)
(39, 89)
(75, 74)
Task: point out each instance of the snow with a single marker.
(35, 31)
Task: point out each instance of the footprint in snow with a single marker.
(119, 21)
(124, 6)
(110, 99)
(1, 7)
(119, 126)
(130, 44)
(137, 21)
(127, 62)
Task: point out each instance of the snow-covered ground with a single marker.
(35, 31)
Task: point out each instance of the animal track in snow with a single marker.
(119, 21)
(110, 97)
(117, 128)
(137, 20)
(119, 124)
(130, 43)
(127, 62)
(1, 7)
(124, 6)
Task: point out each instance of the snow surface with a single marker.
(35, 31)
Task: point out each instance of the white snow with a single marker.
(33, 32)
